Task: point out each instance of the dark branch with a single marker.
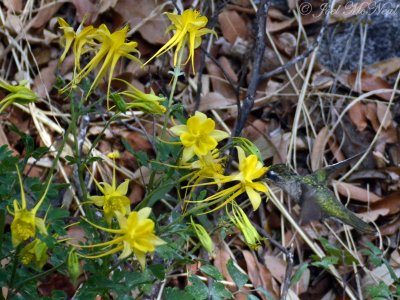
(261, 19)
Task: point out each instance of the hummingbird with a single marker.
(317, 201)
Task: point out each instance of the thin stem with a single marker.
(177, 72)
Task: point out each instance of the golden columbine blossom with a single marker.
(189, 28)
(242, 222)
(34, 253)
(78, 40)
(17, 94)
(135, 235)
(198, 136)
(203, 236)
(250, 169)
(108, 47)
(114, 198)
(25, 222)
(148, 103)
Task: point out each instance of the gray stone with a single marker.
(341, 46)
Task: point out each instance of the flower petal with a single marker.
(254, 197)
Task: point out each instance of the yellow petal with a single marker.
(144, 213)
(219, 135)
(178, 129)
(254, 197)
(123, 187)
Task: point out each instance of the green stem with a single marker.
(2, 225)
(14, 267)
(177, 72)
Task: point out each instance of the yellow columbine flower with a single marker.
(148, 103)
(25, 222)
(81, 38)
(114, 198)
(250, 169)
(17, 94)
(35, 252)
(242, 222)
(203, 236)
(112, 47)
(136, 235)
(198, 136)
(190, 27)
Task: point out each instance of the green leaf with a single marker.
(326, 262)
(300, 271)
(158, 271)
(174, 293)
(198, 289)
(265, 293)
(211, 271)
(218, 291)
(57, 213)
(379, 292)
(238, 277)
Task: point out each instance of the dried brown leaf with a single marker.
(45, 14)
(222, 256)
(384, 67)
(45, 80)
(370, 83)
(219, 83)
(355, 192)
(215, 100)
(391, 228)
(390, 202)
(232, 26)
(258, 274)
(358, 116)
(381, 109)
(152, 30)
(13, 5)
(318, 149)
(372, 115)
(279, 26)
(85, 9)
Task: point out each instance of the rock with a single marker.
(342, 42)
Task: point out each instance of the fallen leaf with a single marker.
(219, 83)
(358, 116)
(355, 192)
(54, 282)
(391, 228)
(45, 14)
(215, 100)
(259, 275)
(279, 26)
(76, 235)
(85, 9)
(384, 67)
(232, 26)
(318, 149)
(44, 81)
(372, 115)
(390, 202)
(222, 256)
(13, 5)
(381, 109)
(104, 5)
(373, 215)
(153, 29)
(370, 83)
(276, 266)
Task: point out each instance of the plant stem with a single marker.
(177, 72)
